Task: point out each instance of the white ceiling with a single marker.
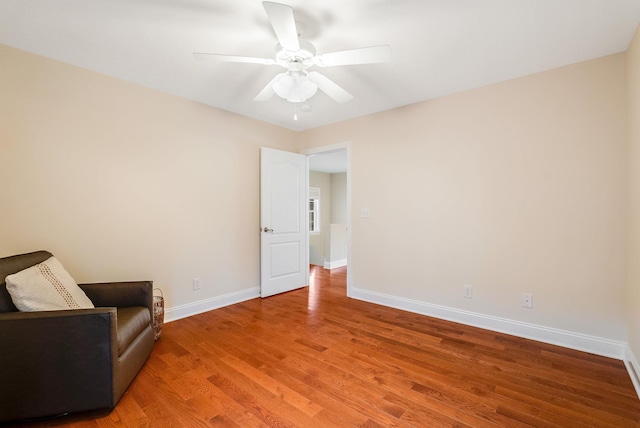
(439, 47)
(329, 162)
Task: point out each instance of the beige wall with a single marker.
(339, 198)
(123, 182)
(633, 76)
(515, 187)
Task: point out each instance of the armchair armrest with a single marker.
(56, 361)
(120, 294)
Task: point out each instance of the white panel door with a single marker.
(283, 219)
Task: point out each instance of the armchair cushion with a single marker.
(47, 286)
(131, 322)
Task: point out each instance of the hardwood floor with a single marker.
(314, 358)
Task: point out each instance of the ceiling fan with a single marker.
(298, 84)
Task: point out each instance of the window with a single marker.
(314, 210)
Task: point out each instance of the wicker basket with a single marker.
(158, 313)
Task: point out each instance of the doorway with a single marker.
(330, 207)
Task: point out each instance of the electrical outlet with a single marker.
(526, 300)
(196, 283)
(468, 291)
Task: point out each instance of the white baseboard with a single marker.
(189, 309)
(633, 368)
(335, 264)
(567, 339)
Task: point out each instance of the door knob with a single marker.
(266, 229)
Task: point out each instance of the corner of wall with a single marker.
(633, 220)
(631, 362)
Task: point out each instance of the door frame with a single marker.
(328, 149)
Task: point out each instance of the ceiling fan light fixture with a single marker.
(282, 85)
(294, 88)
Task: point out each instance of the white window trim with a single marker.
(314, 194)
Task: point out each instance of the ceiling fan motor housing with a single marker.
(304, 55)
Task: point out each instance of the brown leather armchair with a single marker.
(58, 362)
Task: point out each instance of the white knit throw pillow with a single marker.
(46, 287)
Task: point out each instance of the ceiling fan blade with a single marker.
(267, 92)
(330, 88)
(370, 55)
(284, 24)
(232, 58)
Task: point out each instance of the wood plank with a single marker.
(315, 358)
